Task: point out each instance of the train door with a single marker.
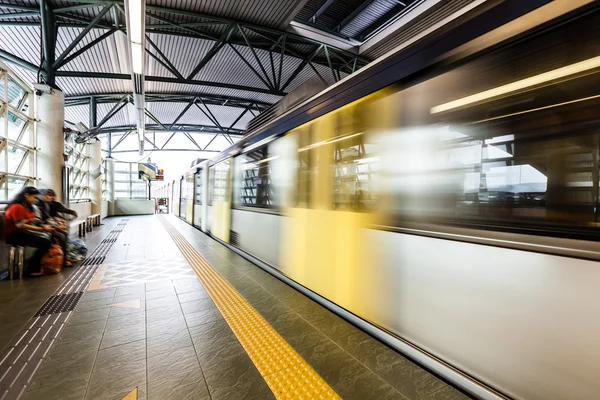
(189, 198)
(204, 199)
(198, 197)
(221, 200)
(182, 199)
(322, 236)
(175, 197)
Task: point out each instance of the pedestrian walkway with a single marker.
(168, 313)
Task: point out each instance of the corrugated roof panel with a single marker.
(368, 16)
(183, 52)
(22, 41)
(225, 115)
(262, 12)
(195, 116)
(164, 112)
(227, 67)
(25, 74)
(66, 35)
(126, 116)
(310, 8)
(76, 114)
(414, 27)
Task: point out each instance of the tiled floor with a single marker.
(160, 332)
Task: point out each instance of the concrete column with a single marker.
(50, 113)
(96, 183)
(110, 185)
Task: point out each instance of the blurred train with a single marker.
(446, 195)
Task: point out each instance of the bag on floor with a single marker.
(52, 261)
(76, 251)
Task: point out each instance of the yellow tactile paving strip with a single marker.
(287, 374)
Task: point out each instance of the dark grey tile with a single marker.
(66, 348)
(165, 325)
(168, 291)
(62, 392)
(152, 304)
(231, 375)
(203, 317)
(99, 294)
(212, 338)
(163, 312)
(190, 286)
(122, 354)
(193, 295)
(118, 322)
(168, 342)
(84, 317)
(447, 393)
(117, 382)
(197, 305)
(131, 289)
(176, 375)
(121, 336)
(116, 312)
(82, 331)
(129, 297)
(71, 371)
(94, 305)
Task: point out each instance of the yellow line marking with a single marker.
(128, 304)
(288, 375)
(95, 284)
(133, 395)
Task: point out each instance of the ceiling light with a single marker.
(136, 31)
(532, 81)
(137, 58)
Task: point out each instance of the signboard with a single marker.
(147, 171)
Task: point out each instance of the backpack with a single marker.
(52, 261)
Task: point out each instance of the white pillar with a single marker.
(96, 184)
(50, 113)
(110, 185)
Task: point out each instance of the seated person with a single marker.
(49, 210)
(21, 230)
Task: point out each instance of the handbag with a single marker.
(42, 234)
(52, 261)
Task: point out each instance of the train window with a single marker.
(256, 188)
(306, 170)
(211, 184)
(354, 164)
(221, 180)
(198, 184)
(515, 154)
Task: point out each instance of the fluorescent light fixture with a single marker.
(141, 134)
(135, 21)
(137, 58)
(545, 77)
(136, 29)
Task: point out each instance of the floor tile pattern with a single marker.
(146, 271)
(286, 373)
(26, 353)
(166, 338)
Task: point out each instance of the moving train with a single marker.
(446, 195)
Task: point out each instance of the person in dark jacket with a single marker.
(49, 210)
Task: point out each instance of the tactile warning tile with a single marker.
(288, 375)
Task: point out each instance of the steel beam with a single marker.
(11, 58)
(49, 30)
(102, 75)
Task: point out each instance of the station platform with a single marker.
(160, 310)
